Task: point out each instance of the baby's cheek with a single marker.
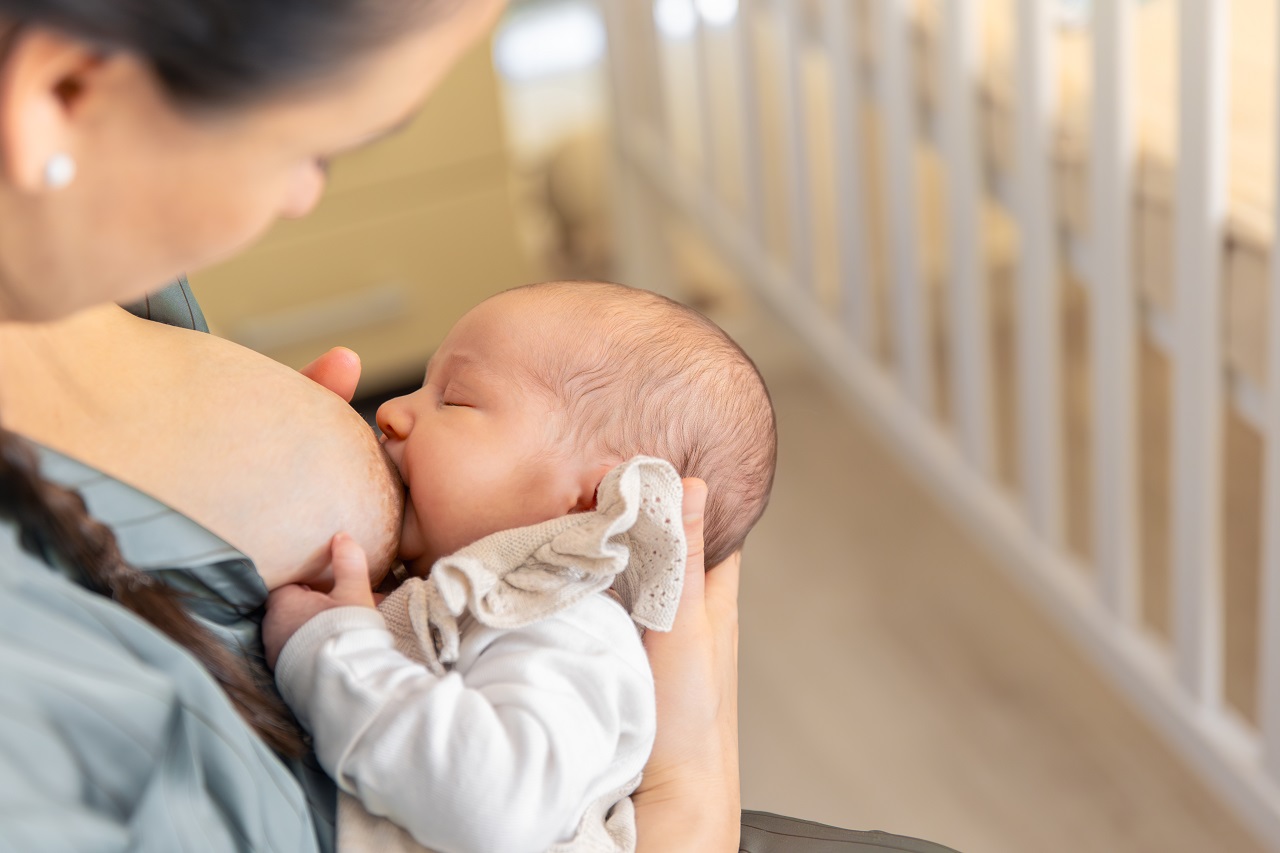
(465, 523)
(443, 522)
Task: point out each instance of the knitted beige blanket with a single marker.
(632, 543)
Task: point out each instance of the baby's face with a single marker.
(477, 445)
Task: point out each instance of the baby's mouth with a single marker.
(392, 463)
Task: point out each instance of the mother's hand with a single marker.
(690, 797)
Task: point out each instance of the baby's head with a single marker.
(538, 392)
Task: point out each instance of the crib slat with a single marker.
(896, 95)
(1197, 387)
(704, 99)
(1113, 305)
(1038, 339)
(638, 109)
(846, 111)
(640, 61)
(970, 358)
(623, 70)
(748, 93)
(1269, 637)
(794, 131)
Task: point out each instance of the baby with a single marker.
(512, 708)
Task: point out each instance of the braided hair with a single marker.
(55, 526)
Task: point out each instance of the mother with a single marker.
(139, 140)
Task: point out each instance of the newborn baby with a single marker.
(523, 723)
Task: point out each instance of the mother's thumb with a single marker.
(693, 510)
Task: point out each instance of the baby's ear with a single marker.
(589, 480)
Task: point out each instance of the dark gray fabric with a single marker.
(770, 833)
(114, 738)
(174, 305)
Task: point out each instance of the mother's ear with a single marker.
(44, 79)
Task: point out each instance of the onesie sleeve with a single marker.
(504, 751)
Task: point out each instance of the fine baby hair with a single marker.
(654, 377)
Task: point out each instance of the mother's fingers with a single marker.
(338, 370)
(722, 600)
(722, 581)
(693, 509)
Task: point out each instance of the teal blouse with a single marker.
(112, 737)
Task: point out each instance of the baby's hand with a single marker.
(292, 606)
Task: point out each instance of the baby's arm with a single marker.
(501, 753)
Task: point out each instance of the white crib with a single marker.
(878, 169)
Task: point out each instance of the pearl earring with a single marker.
(59, 171)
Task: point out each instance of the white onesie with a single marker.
(505, 702)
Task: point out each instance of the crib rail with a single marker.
(1115, 495)
(872, 318)
(971, 365)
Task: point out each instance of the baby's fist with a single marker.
(292, 606)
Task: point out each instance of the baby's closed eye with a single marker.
(451, 397)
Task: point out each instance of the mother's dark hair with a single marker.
(222, 52)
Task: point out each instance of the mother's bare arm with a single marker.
(259, 454)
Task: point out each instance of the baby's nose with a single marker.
(394, 420)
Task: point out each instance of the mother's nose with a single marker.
(395, 419)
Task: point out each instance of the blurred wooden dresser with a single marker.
(411, 233)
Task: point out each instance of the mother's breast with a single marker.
(282, 463)
(254, 451)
